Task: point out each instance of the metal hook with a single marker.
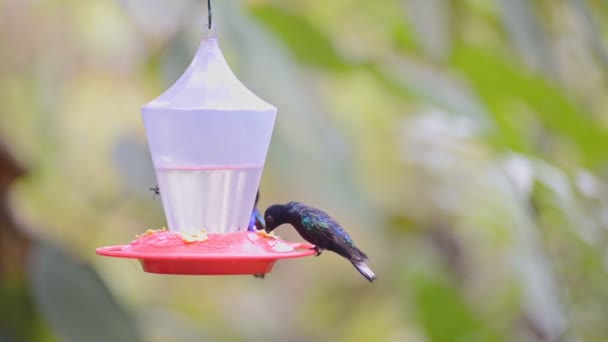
(209, 13)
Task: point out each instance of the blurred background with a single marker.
(461, 143)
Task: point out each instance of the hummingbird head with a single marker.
(275, 216)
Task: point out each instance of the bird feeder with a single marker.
(208, 137)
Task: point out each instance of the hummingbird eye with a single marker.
(269, 219)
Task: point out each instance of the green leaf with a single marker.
(307, 44)
(506, 87)
(74, 300)
(19, 320)
(404, 39)
(446, 316)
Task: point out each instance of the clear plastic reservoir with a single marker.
(208, 136)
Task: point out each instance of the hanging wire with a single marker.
(209, 13)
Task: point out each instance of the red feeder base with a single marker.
(167, 252)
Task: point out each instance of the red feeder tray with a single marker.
(166, 252)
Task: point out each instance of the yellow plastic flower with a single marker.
(195, 237)
(271, 235)
(151, 232)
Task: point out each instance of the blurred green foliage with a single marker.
(461, 143)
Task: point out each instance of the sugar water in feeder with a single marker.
(208, 136)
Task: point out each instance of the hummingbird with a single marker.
(321, 230)
(256, 221)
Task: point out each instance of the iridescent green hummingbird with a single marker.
(321, 230)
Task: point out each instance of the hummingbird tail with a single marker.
(362, 267)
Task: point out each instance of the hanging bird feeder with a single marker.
(208, 136)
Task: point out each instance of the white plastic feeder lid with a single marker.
(208, 83)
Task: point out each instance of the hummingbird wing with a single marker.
(327, 232)
(259, 219)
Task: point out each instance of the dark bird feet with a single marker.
(317, 250)
(261, 275)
